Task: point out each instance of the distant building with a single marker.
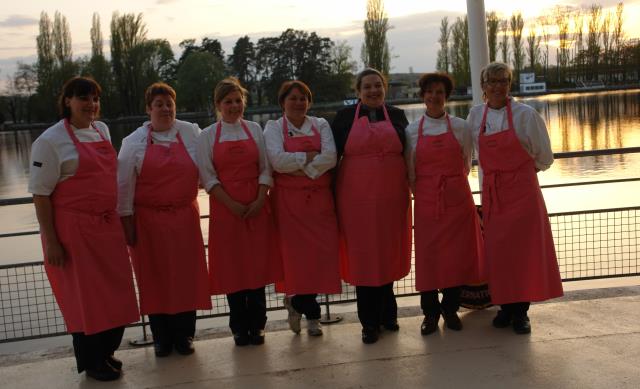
(528, 84)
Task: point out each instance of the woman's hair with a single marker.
(428, 79)
(288, 86)
(76, 86)
(158, 89)
(493, 69)
(368, 72)
(226, 86)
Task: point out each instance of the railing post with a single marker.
(328, 319)
(145, 340)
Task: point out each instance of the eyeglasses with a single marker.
(497, 81)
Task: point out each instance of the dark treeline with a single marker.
(589, 45)
(136, 62)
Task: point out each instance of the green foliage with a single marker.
(197, 76)
(375, 51)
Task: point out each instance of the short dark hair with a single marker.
(76, 86)
(433, 78)
(288, 86)
(368, 72)
(158, 89)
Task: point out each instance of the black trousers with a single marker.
(307, 305)
(516, 309)
(92, 350)
(170, 329)
(376, 305)
(450, 301)
(247, 310)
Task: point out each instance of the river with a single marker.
(576, 122)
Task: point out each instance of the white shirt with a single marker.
(529, 128)
(54, 156)
(285, 162)
(230, 132)
(133, 149)
(432, 127)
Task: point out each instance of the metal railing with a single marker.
(590, 244)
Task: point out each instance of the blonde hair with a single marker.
(226, 86)
(493, 69)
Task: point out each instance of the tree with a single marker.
(517, 24)
(459, 52)
(199, 72)
(375, 51)
(561, 14)
(618, 39)
(20, 91)
(96, 36)
(493, 24)
(443, 61)
(544, 24)
(504, 40)
(593, 40)
(341, 61)
(45, 66)
(533, 48)
(242, 63)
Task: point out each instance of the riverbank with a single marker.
(317, 108)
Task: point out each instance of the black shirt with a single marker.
(343, 121)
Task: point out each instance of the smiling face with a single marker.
(435, 96)
(84, 109)
(496, 88)
(231, 107)
(162, 112)
(371, 91)
(296, 105)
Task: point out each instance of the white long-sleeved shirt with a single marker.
(529, 128)
(54, 156)
(132, 152)
(230, 132)
(286, 162)
(432, 127)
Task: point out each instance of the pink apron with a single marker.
(94, 288)
(519, 250)
(168, 257)
(307, 225)
(448, 239)
(374, 210)
(243, 253)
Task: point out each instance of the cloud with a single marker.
(162, 2)
(18, 21)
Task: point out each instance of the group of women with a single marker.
(303, 204)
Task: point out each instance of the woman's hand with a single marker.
(254, 208)
(238, 209)
(55, 253)
(298, 173)
(310, 156)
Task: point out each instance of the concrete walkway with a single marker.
(588, 339)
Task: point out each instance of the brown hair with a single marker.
(76, 86)
(368, 72)
(158, 89)
(428, 79)
(288, 86)
(226, 86)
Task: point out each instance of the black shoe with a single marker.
(502, 319)
(161, 349)
(392, 326)
(369, 335)
(184, 346)
(429, 324)
(452, 321)
(114, 362)
(521, 325)
(103, 372)
(256, 337)
(241, 339)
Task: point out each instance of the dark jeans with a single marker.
(247, 310)
(169, 329)
(307, 305)
(450, 301)
(93, 350)
(376, 305)
(516, 309)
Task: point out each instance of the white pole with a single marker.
(478, 45)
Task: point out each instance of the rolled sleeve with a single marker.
(44, 167)
(127, 176)
(281, 160)
(204, 156)
(540, 142)
(328, 156)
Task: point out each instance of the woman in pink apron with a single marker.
(373, 204)
(74, 186)
(302, 151)
(448, 240)
(158, 186)
(513, 145)
(243, 248)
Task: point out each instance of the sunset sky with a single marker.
(413, 38)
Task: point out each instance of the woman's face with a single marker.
(296, 105)
(435, 97)
(372, 91)
(231, 107)
(162, 112)
(84, 109)
(496, 88)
